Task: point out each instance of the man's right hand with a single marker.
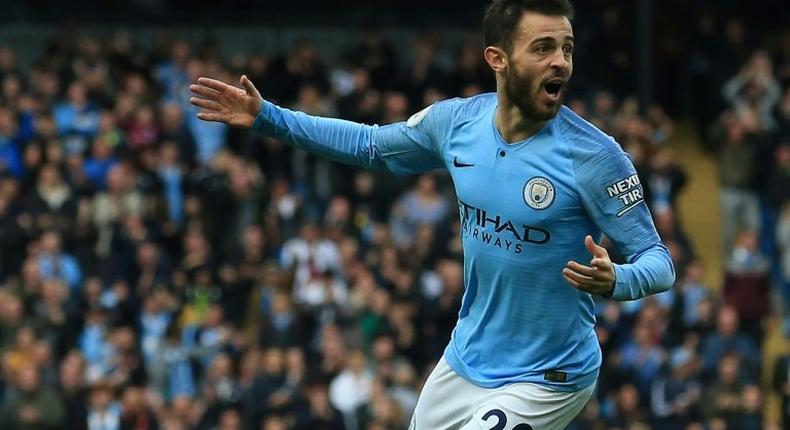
(225, 103)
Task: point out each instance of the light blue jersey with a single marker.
(525, 209)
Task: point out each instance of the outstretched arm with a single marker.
(403, 148)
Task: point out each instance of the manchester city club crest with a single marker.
(539, 193)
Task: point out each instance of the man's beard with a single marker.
(519, 91)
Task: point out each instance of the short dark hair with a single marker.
(502, 18)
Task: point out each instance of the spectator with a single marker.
(142, 130)
(21, 353)
(755, 87)
(317, 412)
(751, 417)
(230, 419)
(104, 411)
(74, 392)
(778, 180)
(663, 181)
(54, 263)
(627, 410)
(171, 368)
(173, 129)
(283, 325)
(110, 206)
(171, 73)
(722, 399)
(728, 338)
(739, 202)
(309, 255)
(172, 176)
(269, 392)
(77, 117)
(747, 283)
(403, 389)
(692, 290)
(641, 358)
(101, 162)
(675, 396)
(327, 290)
(382, 411)
(31, 405)
(10, 145)
(54, 197)
(135, 414)
(352, 387)
(421, 205)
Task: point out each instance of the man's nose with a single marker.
(559, 60)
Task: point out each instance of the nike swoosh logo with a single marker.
(457, 163)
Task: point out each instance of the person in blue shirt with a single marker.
(537, 186)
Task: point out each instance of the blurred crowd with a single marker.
(695, 357)
(159, 272)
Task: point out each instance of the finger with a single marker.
(578, 277)
(205, 91)
(573, 283)
(246, 83)
(586, 281)
(601, 263)
(209, 116)
(582, 269)
(205, 104)
(593, 248)
(216, 85)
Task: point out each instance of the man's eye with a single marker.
(567, 49)
(543, 49)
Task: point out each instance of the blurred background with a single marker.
(157, 272)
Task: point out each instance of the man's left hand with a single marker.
(598, 277)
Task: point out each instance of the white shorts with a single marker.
(449, 402)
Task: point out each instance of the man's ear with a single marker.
(496, 58)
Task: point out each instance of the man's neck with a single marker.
(511, 123)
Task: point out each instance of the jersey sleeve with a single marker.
(408, 147)
(415, 145)
(613, 197)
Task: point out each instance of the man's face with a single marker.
(540, 64)
(27, 379)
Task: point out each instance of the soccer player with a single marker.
(537, 186)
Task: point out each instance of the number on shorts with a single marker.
(502, 420)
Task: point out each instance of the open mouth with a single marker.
(553, 87)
